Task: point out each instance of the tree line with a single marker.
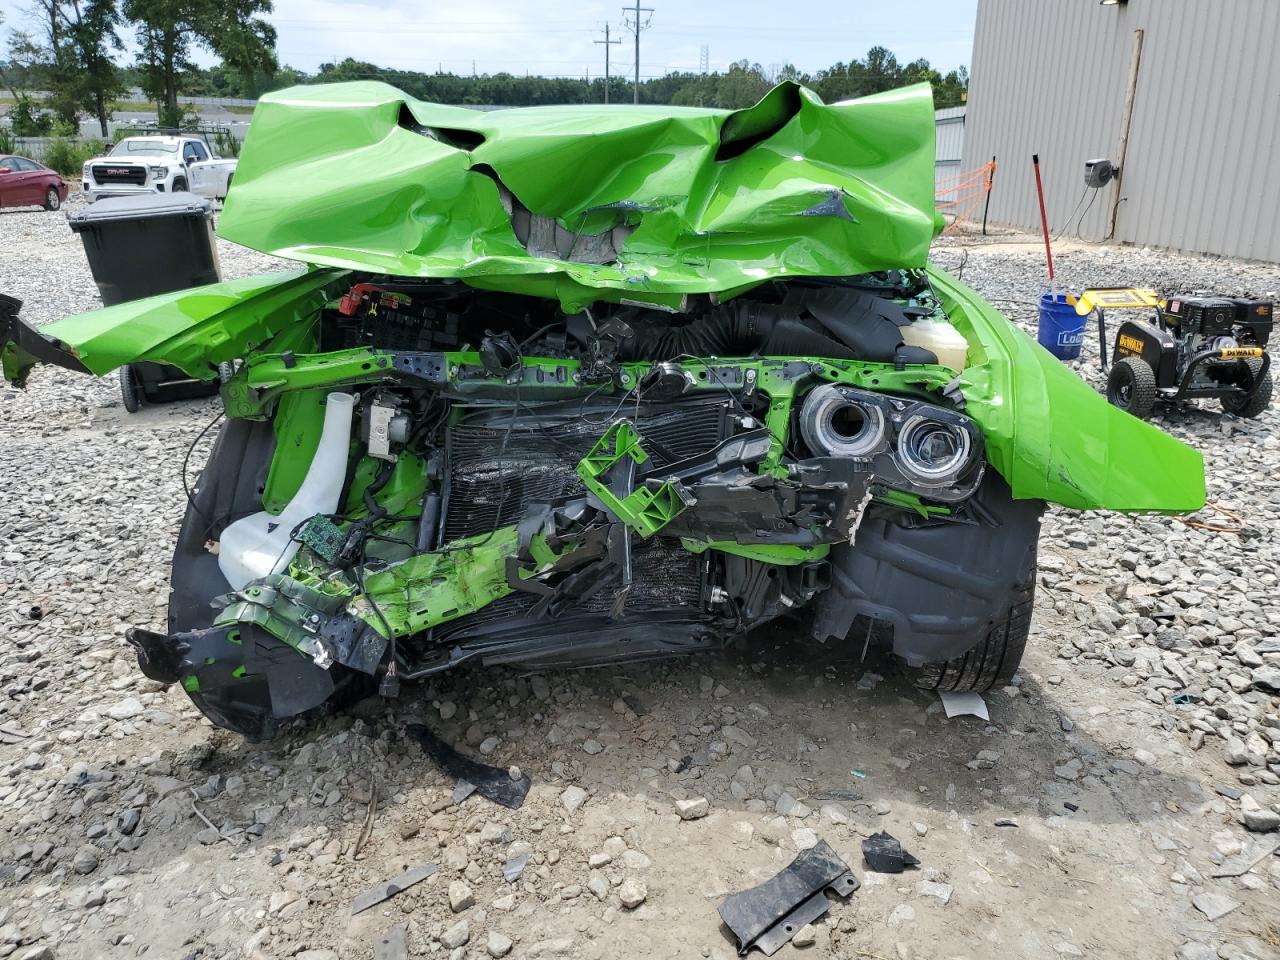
(741, 85)
(71, 50)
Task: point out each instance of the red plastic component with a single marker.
(352, 299)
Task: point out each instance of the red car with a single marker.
(25, 183)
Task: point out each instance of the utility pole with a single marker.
(636, 26)
(607, 43)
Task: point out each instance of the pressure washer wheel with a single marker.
(1252, 405)
(130, 388)
(1131, 386)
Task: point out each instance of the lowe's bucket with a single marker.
(1061, 328)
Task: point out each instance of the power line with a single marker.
(636, 26)
(607, 44)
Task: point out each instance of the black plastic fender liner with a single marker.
(229, 487)
(941, 583)
(239, 676)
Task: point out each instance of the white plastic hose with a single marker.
(261, 544)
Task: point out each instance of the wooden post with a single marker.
(1135, 61)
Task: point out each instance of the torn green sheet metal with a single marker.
(690, 200)
(193, 329)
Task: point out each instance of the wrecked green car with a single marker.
(571, 386)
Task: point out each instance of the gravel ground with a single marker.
(1088, 818)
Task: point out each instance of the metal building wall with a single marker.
(1203, 165)
(949, 136)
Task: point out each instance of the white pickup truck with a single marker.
(158, 164)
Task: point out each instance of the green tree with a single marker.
(94, 80)
(232, 29)
(69, 55)
(26, 119)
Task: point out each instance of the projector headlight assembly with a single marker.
(933, 452)
(912, 446)
(840, 422)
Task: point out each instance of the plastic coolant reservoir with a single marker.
(260, 544)
(946, 342)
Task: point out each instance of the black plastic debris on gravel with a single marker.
(767, 916)
(884, 854)
(492, 782)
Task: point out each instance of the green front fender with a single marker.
(1050, 435)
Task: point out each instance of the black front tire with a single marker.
(130, 389)
(51, 199)
(1131, 386)
(994, 661)
(1252, 405)
(179, 186)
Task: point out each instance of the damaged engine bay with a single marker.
(455, 474)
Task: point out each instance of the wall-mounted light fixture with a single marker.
(1113, 3)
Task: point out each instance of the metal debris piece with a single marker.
(884, 854)
(514, 867)
(492, 782)
(769, 915)
(1239, 866)
(393, 944)
(1006, 822)
(461, 790)
(385, 891)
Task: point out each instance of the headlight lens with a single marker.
(159, 172)
(933, 452)
(838, 423)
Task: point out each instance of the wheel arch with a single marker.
(941, 584)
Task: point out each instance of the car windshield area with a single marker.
(143, 148)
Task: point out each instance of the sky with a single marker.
(554, 37)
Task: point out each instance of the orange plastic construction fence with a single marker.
(961, 195)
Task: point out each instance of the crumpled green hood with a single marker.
(359, 175)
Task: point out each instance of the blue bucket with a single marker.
(1061, 329)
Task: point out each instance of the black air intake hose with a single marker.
(733, 330)
(841, 324)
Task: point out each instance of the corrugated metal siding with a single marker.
(949, 125)
(949, 136)
(1049, 77)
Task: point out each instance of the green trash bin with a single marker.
(141, 246)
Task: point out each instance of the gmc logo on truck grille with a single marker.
(106, 173)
